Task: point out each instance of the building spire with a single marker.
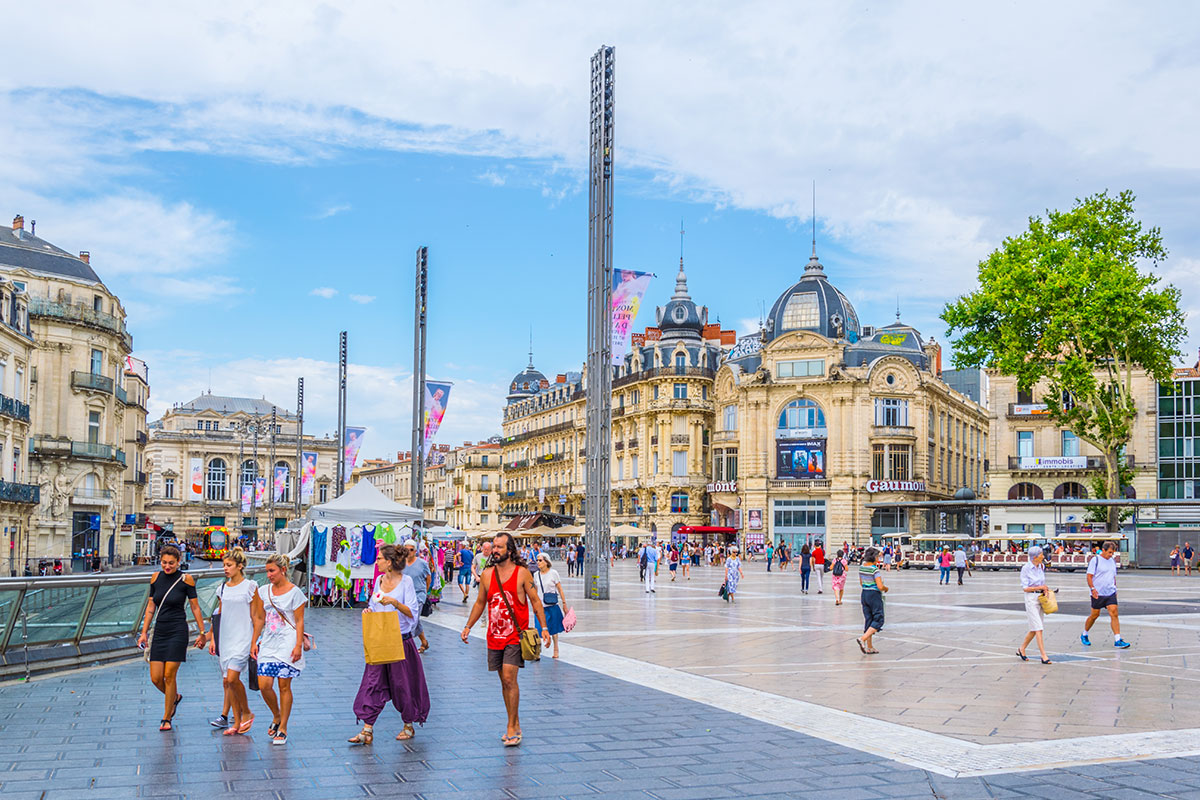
(814, 266)
(681, 287)
(531, 347)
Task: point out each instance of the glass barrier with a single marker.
(206, 593)
(8, 607)
(116, 610)
(56, 614)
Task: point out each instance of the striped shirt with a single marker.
(866, 576)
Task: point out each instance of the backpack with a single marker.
(838, 568)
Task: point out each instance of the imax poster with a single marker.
(801, 459)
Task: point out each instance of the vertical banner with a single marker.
(247, 498)
(350, 447)
(260, 492)
(627, 291)
(281, 482)
(437, 394)
(308, 476)
(196, 486)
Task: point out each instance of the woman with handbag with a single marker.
(170, 591)
(238, 605)
(1033, 584)
(403, 681)
(549, 588)
(418, 569)
(279, 643)
(733, 573)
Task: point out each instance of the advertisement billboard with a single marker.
(800, 459)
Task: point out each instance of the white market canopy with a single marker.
(362, 503)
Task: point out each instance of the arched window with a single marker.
(249, 472)
(681, 360)
(620, 504)
(215, 482)
(801, 418)
(653, 503)
(1025, 491)
(1070, 491)
(287, 482)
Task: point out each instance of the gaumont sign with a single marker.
(895, 486)
(721, 486)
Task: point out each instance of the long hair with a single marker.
(514, 552)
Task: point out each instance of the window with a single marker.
(1025, 491)
(620, 504)
(169, 488)
(1070, 491)
(725, 464)
(19, 384)
(633, 465)
(635, 397)
(800, 418)
(483, 502)
(94, 427)
(654, 460)
(891, 462)
(679, 503)
(889, 520)
(97, 303)
(483, 482)
(1025, 444)
(801, 311)
(199, 424)
(679, 463)
(1024, 397)
(891, 411)
(808, 368)
(97, 362)
(800, 514)
(215, 481)
(653, 503)
(681, 363)
(729, 418)
(620, 469)
(656, 391)
(681, 391)
(704, 392)
(323, 493)
(249, 472)
(1070, 444)
(483, 461)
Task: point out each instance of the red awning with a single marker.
(705, 529)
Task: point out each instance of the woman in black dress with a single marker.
(170, 592)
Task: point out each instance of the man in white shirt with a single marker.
(652, 556)
(1102, 580)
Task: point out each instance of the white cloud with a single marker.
(362, 299)
(333, 211)
(323, 291)
(492, 177)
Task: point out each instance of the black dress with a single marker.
(170, 628)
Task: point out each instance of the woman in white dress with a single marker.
(239, 605)
(1033, 584)
(279, 643)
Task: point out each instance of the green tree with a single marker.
(1065, 302)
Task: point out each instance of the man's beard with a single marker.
(499, 558)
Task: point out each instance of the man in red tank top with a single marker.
(507, 579)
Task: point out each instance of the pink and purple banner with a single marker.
(281, 482)
(627, 291)
(350, 450)
(260, 492)
(308, 476)
(247, 498)
(437, 394)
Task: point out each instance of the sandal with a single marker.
(272, 729)
(230, 731)
(407, 732)
(280, 738)
(1022, 656)
(1047, 661)
(512, 741)
(245, 726)
(175, 707)
(861, 646)
(365, 736)
(165, 725)
(872, 652)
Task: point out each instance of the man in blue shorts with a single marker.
(1102, 580)
(464, 558)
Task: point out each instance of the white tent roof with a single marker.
(362, 502)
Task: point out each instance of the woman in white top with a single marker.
(402, 682)
(238, 604)
(279, 643)
(549, 588)
(1033, 584)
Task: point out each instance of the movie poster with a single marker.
(800, 459)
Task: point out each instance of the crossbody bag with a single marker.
(309, 642)
(548, 598)
(153, 622)
(531, 644)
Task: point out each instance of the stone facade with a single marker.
(200, 453)
(473, 496)
(18, 495)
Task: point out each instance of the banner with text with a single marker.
(308, 476)
(437, 395)
(627, 291)
(260, 492)
(196, 485)
(247, 498)
(281, 481)
(350, 449)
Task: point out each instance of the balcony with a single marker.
(681, 438)
(547, 431)
(11, 407)
(895, 431)
(138, 478)
(105, 452)
(458, 481)
(522, 464)
(92, 382)
(550, 457)
(119, 391)
(91, 497)
(141, 437)
(663, 372)
(632, 444)
(783, 483)
(24, 493)
(1060, 463)
(81, 314)
(725, 436)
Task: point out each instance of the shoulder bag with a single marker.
(309, 642)
(157, 608)
(548, 598)
(531, 644)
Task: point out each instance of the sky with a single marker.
(251, 181)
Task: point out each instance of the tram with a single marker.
(216, 542)
(1067, 552)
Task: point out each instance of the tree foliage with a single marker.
(1066, 303)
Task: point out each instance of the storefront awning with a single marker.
(705, 529)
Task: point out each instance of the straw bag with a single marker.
(1049, 602)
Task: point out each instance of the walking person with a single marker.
(1102, 580)
(673, 561)
(238, 604)
(462, 560)
(685, 561)
(960, 563)
(805, 568)
(418, 569)
(570, 560)
(650, 558)
(279, 643)
(770, 555)
(818, 565)
(1176, 566)
(944, 560)
(872, 588)
(733, 574)
(1187, 557)
(1033, 584)
(482, 561)
(643, 561)
(837, 572)
(170, 592)
(402, 682)
(508, 593)
(550, 592)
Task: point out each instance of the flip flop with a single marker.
(174, 708)
(165, 725)
(861, 646)
(245, 726)
(512, 741)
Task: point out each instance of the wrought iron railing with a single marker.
(90, 380)
(11, 407)
(44, 307)
(20, 493)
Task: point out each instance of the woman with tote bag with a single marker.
(1037, 597)
(401, 681)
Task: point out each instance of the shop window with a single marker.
(1025, 491)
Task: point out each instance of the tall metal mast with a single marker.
(271, 473)
(599, 361)
(417, 460)
(341, 431)
(299, 471)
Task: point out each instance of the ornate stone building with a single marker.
(77, 394)
(18, 495)
(473, 497)
(817, 416)
(202, 452)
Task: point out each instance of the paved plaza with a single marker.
(679, 696)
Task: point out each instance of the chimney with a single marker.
(85, 256)
(18, 223)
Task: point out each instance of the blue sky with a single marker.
(250, 182)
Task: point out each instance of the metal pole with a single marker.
(299, 472)
(340, 482)
(241, 479)
(417, 461)
(271, 478)
(254, 491)
(599, 361)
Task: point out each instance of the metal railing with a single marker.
(20, 493)
(90, 380)
(11, 407)
(44, 307)
(119, 391)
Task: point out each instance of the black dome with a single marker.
(527, 382)
(813, 304)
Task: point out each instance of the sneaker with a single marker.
(1121, 644)
(220, 722)
(1083, 637)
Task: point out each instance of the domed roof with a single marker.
(681, 318)
(964, 494)
(527, 382)
(899, 335)
(813, 304)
